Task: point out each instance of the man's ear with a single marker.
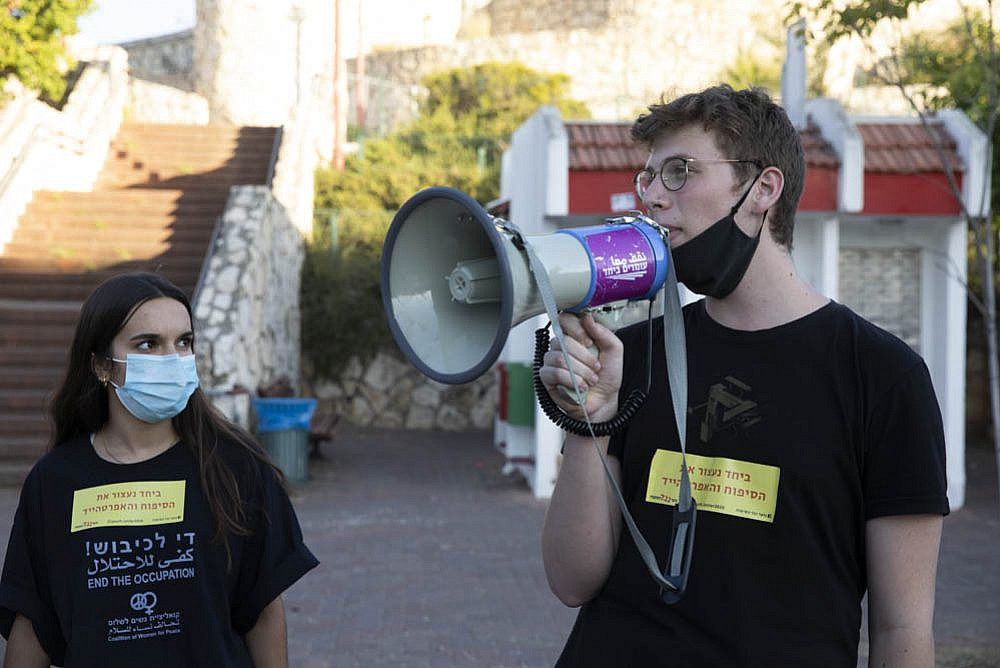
(767, 190)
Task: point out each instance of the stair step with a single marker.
(23, 401)
(131, 141)
(183, 161)
(120, 219)
(39, 379)
(75, 286)
(37, 324)
(40, 354)
(24, 425)
(252, 172)
(130, 196)
(182, 128)
(105, 251)
(186, 182)
(27, 334)
(180, 155)
(143, 215)
(174, 142)
(73, 265)
(47, 312)
(60, 195)
(19, 453)
(115, 230)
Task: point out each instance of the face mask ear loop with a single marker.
(736, 207)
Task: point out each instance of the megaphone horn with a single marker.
(454, 283)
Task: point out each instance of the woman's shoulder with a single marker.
(58, 463)
(67, 453)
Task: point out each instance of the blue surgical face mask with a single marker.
(157, 387)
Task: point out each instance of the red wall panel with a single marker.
(921, 194)
(820, 190)
(590, 192)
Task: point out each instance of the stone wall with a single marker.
(166, 60)
(511, 16)
(150, 102)
(255, 61)
(611, 70)
(247, 309)
(388, 392)
(294, 171)
(883, 285)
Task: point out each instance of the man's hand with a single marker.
(600, 375)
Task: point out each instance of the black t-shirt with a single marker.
(796, 436)
(115, 565)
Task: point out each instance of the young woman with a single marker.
(154, 532)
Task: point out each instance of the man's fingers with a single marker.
(572, 327)
(605, 339)
(555, 360)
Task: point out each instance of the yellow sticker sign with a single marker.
(128, 504)
(718, 484)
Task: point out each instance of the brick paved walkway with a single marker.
(431, 557)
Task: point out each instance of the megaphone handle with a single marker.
(612, 319)
(633, 402)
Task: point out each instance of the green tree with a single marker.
(752, 70)
(962, 59)
(464, 124)
(31, 41)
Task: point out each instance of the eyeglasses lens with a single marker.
(642, 181)
(674, 173)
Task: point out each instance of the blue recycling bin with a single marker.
(283, 428)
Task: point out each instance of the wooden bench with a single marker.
(322, 428)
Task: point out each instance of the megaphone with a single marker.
(455, 279)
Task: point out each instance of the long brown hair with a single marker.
(80, 406)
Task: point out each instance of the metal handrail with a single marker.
(203, 272)
(275, 146)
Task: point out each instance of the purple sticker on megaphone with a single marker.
(624, 264)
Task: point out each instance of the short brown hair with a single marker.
(746, 125)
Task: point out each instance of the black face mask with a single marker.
(713, 263)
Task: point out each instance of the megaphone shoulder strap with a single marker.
(673, 578)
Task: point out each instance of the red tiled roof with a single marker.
(603, 147)
(906, 148)
(818, 151)
(607, 146)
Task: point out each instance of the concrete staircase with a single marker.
(154, 207)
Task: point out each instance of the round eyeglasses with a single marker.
(673, 173)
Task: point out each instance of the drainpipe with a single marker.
(360, 93)
(793, 75)
(338, 98)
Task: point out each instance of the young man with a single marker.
(814, 439)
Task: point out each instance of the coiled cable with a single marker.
(629, 408)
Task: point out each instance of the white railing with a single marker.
(45, 149)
